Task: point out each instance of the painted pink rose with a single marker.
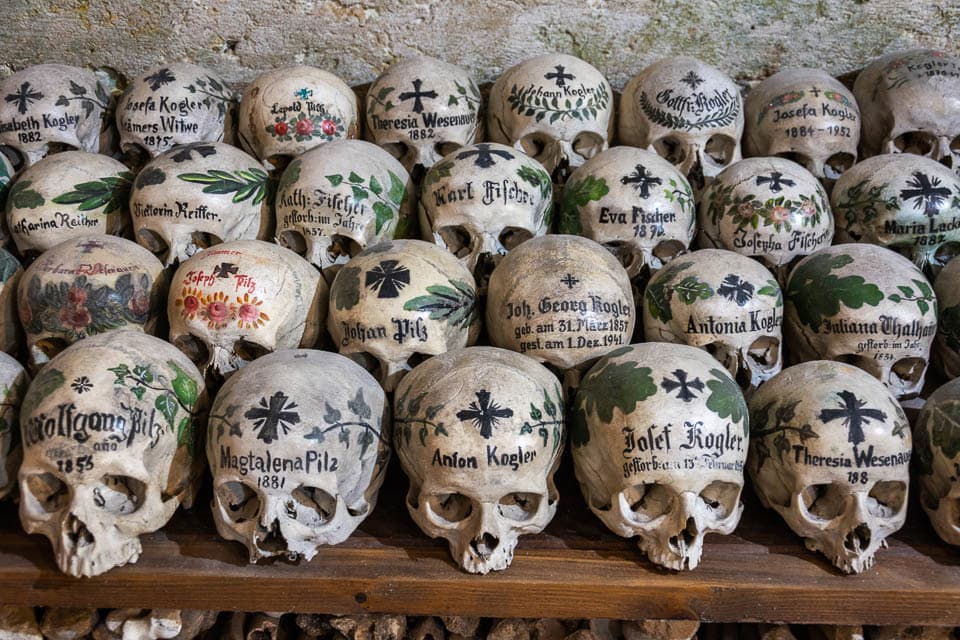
(779, 215)
(191, 304)
(218, 311)
(281, 128)
(76, 296)
(139, 303)
(77, 318)
(248, 312)
(808, 209)
(304, 126)
(329, 127)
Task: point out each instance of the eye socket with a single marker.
(396, 149)
(249, 351)
(417, 358)
(533, 144)
(886, 498)
(835, 165)
(909, 370)
(239, 502)
(624, 254)
(368, 362)
(588, 144)
(51, 346)
(203, 240)
(519, 507)
(455, 239)
(764, 352)
(293, 240)
(154, 243)
(921, 143)
(671, 149)
(720, 149)
(119, 495)
(824, 501)
(450, 508)
(194, 348)
(649, 501)
(667, 250)
(342, 248)
(46, 492)
(311, 506)
(721, 497)
(860, 362)
(801, 159)
(444, 149)
(512, 237)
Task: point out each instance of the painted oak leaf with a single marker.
(610, 385)
(816, 293)
(346, 289)
(726, 399)
(942, 430)
(576, 195)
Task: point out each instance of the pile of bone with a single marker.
(234, 286)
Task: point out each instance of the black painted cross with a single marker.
(271, 416)
(692, 80)
(90, 245)
(484, 414)
(24, 97)
(225, 270)
(417, 95)
(815, 91)
(686, 387)
(853, 414)
(776, 181)
(388, 278)
(560, 76)
(485, 155)
(569, 280)
(927, 193)
(642, 180)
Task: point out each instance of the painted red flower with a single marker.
(281, 128)
(329, 127)
(139, 303)
(248, 312)
(217, 311)
(76, 296)
(304, 126)
(191, 304)
(75, 317)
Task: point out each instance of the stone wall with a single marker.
(358, 38)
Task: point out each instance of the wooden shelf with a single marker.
(575, 569)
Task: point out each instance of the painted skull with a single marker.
(863, 305)
(806, 116)
(173, 104)
(287, 111)
(936, 437)
(830, 452)
(49, 108)
(237, 301)
(336, 200)
(903, 202)
(398, 303)
(946, 352)
(11, 333)
(634, 203)
(421, 109)
(771, 209)
(109, 428)
(320, 425)
(13, 385)
(687, 112)
(723, 302)
(910, 102)
(556, 108)
(86, 286)
(67, 195)
(196, 196)
(482, 201)
(561, 300)
(659, 435)
(479, 433)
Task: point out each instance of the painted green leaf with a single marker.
(383, 213)
(941, 429)
(167, 405)
(611, 385)
(538, 178)
(817, 294)
(375, 185)
(576, 195)
(726, 399)
(364, 439)
(23, 197)
(359, 406)
(245, 185)
(138, 391)
(772, 289)
(535, 413)
(111, 193)
(150, 176)
(290, 175)
(690, 289)
(331, 415)
(121, 371)
(456, 304)
(46, 382)
(548, 405)
(346, 288)
(184, 387)
(184, 432)
(397, 189)
(660, 289)
(335, 180)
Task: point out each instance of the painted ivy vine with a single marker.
(387, 199)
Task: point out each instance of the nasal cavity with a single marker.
(484, 545)
(273, 541)
(78, 532)
(857, 539)
(685, 537)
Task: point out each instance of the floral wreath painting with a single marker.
(303, 127)
(218, 311)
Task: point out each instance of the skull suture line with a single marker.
(109, 435)
(479, 433)
(936, 438)
(326, 422)
(830, 452)
(556, 108)
(659, 435)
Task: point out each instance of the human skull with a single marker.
(479, 433)
(109, 428)
(903, 202)
(556, 108)
(767, 208)
(6, 177)
(910, 101)
(399, 302)
(237, 301)
(634, 203)
(286, 111)
(723, 302)
(830, 452)
(173, 104)
(863, 305)
(659, 435)
(13, 385)
(49, 108)
(482, 201)
(196, 196)
(561, 300)
(421, 109)
(946, 352)
(11, 333)
(84, 287)
(687, 112)
(806, 116)
(936, 437)
(67, 195)
(336, 200)
(328, 422)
